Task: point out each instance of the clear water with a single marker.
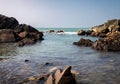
(58, 49)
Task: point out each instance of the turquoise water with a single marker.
(58, 49)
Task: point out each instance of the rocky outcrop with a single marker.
(109, 26)
(7, 22)
(84, 42)
(11, 31)
(110, 43)
(109, 34)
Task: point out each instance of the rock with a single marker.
(50, 31)
(23, 34)
(59, 31)
(1, 59)
(109, 26)
(102, 35)
(12, 31)
(26, 60)
(20, 43)
(94, 34)
(7, 36)
(61, 77)
(99, 29)
(110, 43)
(113, 25)
(47, 63)
(29, 41)
(81, 32)
(88, 32)
(53, 70)
(7, 22)
(84, 42)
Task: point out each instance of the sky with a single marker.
(61, 13)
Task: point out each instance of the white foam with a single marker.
(70, 32)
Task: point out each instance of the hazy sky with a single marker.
(61, 13)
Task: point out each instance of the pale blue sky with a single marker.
(61, 13)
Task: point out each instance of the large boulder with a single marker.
(7, 35)
(109, 43)
(7, 22)
(84, 42)
(61, 77)
(12, 31)
(27, 34)
(109, 26)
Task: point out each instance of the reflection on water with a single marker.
(94, 67)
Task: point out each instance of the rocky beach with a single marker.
(55, 60)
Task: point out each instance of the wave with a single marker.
(70, 32)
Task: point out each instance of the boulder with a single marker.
(109, 26)
(12, 31)
(110, 43)
(84, 42)
(61, 77)
(50, 31)
(81, 32)
(7, 22)
(7, 36)
(59, 31)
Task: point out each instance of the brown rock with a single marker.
(7, 35)
(109, 43)
(59, 31)
(50, 31)
(23, 34)
(84, 42)
(109, 26)
(64, 77)
(81, 32)
(12, 31)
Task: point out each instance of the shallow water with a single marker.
(57, 49)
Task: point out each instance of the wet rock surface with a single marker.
(84, 42)
(109, 34)
(12, 31)
(110, 43)
(61, 77)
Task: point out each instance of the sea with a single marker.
(57, 50)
